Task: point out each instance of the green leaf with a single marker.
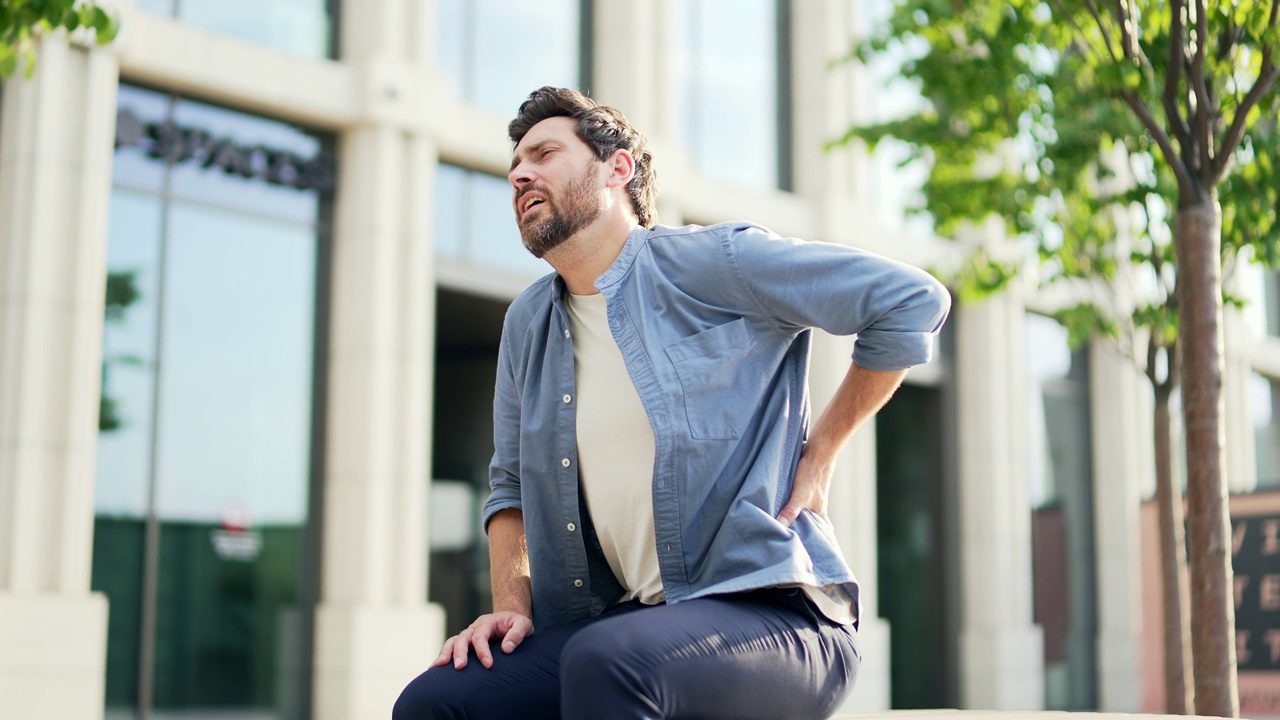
(108, 26)
(8, 61)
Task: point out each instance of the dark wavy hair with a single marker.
(604, 130)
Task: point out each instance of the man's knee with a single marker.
(426, 697)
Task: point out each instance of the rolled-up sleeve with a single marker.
(895, 309)
(504, 469)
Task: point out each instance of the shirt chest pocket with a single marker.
(719, 378)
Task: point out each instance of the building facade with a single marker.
(254, 259)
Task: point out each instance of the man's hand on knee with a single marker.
(512, 627)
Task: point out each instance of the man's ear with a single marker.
(622, 167)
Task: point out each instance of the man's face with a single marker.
(557, 185)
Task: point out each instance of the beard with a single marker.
(574, 209)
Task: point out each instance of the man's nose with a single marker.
(519, 176)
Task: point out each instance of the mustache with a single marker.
(539, 188)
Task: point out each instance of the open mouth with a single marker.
(530, 203)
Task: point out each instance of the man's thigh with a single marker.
(765, 654)
(523, 684)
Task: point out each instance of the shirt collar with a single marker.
(636, 240)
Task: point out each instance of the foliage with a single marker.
(121, 293)
(22, 20)
(1036, 112)
(1087, 126)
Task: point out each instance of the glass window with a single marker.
(301, 27)
(206, 423)
(477, 52)
(1264, 408)
(732, 84)
(1060, 490)
(474, 222)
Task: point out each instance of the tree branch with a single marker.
(1121, 14)
(1084, 37)
(1172, 74)
(1204, 104)
(1267, 75)
(1102, 27)
(1186, 184)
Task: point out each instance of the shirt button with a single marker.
(571, 527)
(577, 583)
(566, 333)
(567, 399)
(565, 462)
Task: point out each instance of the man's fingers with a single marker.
(789, 514)
(513, 638)
(445, 653)
(480, 641)
(461, 646)
(485, 628)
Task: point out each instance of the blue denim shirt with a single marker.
(714, 327)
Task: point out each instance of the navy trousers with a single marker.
(763, 654)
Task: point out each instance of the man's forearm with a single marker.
(861, 395)
(509, 563)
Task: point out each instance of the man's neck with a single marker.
(586, 256)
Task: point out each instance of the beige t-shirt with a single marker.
(615, 461)
(615, 451)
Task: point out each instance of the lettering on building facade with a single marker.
(178, 144)
(1255, 559)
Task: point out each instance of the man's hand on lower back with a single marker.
(512, 627)
(810, 488)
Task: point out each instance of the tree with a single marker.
(21, 21)
(1042, 114)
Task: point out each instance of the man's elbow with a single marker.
(936, 304)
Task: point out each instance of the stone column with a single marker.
(1116, 386)
(55, 184)
(625, 69)
(1001, 649)
(374, 629)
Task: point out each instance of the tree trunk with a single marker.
(1173, 566)
(1197, 236)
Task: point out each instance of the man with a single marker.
(657, 525)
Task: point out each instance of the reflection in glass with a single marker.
(477, 51)
(1264, 402)
(131, 166)
(475, 223)
(300, 27)
(122, 458)
(194, 181)
(1061, 494)
(235, 395)
(229, 446)
(911, 547)
(730, 88)
(128, 363)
